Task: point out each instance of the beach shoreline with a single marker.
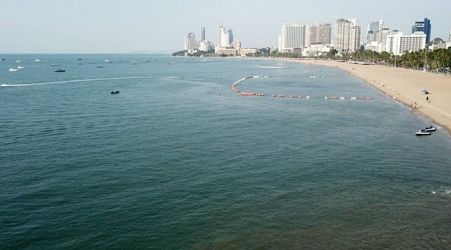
(403, 85)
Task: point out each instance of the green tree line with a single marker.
(436, 60)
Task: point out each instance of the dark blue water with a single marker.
(178, 161)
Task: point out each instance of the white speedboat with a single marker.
(37, 60)
(430, 129)
(20, 67)
(422, 133)
(13, 70)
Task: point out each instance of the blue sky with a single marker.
(120, 26)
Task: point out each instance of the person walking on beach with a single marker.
(427, 98)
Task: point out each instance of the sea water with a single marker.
(179, 161)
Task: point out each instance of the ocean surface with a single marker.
(179, 161)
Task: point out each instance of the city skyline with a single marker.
(119, 27)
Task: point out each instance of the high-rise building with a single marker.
(292, 37)
(383, 33)
(225, 37)
(191, 43)
(320, 34)
(307, 41)
(354, 43)
(279, 43)
(230, 36)
(202, 33)
(423, 26)
(449, 38)
(374, 29)
(325, 34)
(376, 36)
(204, 45)
(347, 35)
(397, 43)
(342, 34)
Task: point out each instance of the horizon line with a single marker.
(83, 53)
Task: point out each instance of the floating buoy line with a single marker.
(306, 97)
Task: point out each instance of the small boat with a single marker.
(422, 133)
(115, 92)
(99, 67)
(20, 67)
(37, 60)
(13, 70)
(430, 129)
(18, 61)
(60, 70)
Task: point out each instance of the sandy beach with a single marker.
(404, 85)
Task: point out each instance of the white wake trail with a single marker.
(73, 81)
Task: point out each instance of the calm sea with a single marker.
(179, 161)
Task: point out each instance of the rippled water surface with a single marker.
(179, 161)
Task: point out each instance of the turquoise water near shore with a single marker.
(179, 161)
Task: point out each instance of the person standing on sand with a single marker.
(427, 98)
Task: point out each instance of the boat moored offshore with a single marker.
(422, 133)
(430, 129)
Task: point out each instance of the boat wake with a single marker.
(74, 81)
(171, 78)
(269, 67)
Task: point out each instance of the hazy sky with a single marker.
(103, 26)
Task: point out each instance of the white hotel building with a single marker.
(191, 44)
(398, 43)
(319, 34)
(225, 37)
(347, 35)
(292, 37)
